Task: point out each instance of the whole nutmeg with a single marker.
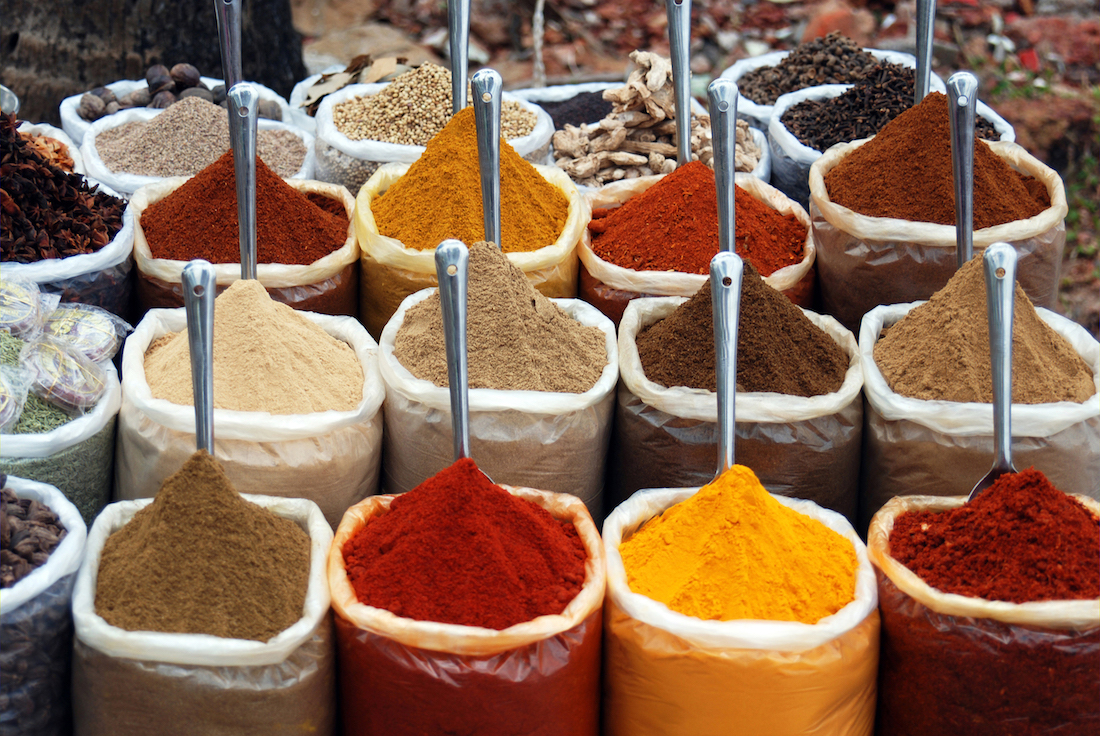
(199, 92)
(161, 100)
(185, 76)
(219, 94)
(269, 109)
(159, 79)
(140, 97)
(91, 107)
(104, 94)
(112, 108)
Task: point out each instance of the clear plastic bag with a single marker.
(36, 628)
(329, 285)
(610, 288)
(399, 676)
(126, 682)
(331, 458)
(391, 271)
(341, 160)
(865, 261)
(62, 376)
(549, 440)
(942, 448)
(797, 446)
(953, 664)
(92, 332)
(15, 383)
(21, 311)
(59, 135)
(667, 673)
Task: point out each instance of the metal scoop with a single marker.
(962, 95)
(723, 95)
(487, 87)
(243, 106)
(198, 300)
(679, 41)
(229, 35)
(458, 36)
(726, 270)
(999, 261)
(926, 26)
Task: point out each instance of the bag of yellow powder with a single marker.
(668, 673)
(390, 271)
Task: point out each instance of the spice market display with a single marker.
(338, 562)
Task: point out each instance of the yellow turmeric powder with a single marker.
(731, 551)
(439, 197)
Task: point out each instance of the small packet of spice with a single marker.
(14, 385)
(93, 332)
(62, 376)
(21, 311)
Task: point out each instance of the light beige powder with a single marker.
(267, 357)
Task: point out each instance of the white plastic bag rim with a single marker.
(1061, 615)
(250, 426)
(202, 649)
(66, 557)
(757, 406)
(382, 151)
(58, 135)
(398, 378)
(478, 640)
(52, 270)
(781, 636)
(675, 283)
(71, 433)
(865, 227)
(964, 419)
(271, 275)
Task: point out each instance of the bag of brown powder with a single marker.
(942, 448)
(804, 447)
(127, 683)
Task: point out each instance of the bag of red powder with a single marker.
(401, 676)
(952, 664)
(609, 287)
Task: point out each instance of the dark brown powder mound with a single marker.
(904, 172)
(779, 350)
(202, 560)
(940, 350)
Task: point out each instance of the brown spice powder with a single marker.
(517, 339)
(778, 349)
(202, 560)
(940, 350)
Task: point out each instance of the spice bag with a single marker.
(341, 160)
(102, 279)
(609, 287)
(127, 184)
(867, 261)
(329, 285)
(399, 676)
(330, 458)
(58, 135)
(391, 271)
(127, 682)
(556, 441)
(36, 628)
(77, 458)
(804, 447)
(667, 673)
(953, 664)
(77, 126)
(942, 448)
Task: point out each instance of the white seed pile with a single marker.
(414, 107)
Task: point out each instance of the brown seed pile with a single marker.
(29, 532)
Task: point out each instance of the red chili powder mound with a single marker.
(1021, 540)
(199, 220)
(458, 549)
(673, 226)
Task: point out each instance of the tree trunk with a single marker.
(50, 49)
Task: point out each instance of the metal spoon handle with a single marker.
(726, 269)
(962, 94)
(451, 261)
(487, 87)
(722, 94)
(198, 300)
(679, 41)
(926, 26)
(458, 35)
(1000, 284)
(243, 106)
(229, 35)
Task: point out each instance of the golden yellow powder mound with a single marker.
(732, 551)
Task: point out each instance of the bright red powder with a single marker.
(1021, 540)
(458, 549)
